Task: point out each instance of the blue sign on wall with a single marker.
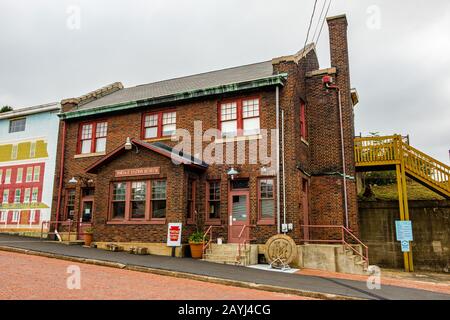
(405, 246)
(404, 230)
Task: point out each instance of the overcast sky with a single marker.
(399, 51)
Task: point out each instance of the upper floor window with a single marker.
(29, 176)
(8, 176)
(17, 125)
(92, 137)
(34, 195)
(159, 124)
(303, 126)
(27, 196)
(19, 175)
(240, 117)
(37, 173)
(5, 198)
(32, 149)
(14, 151)
(17, 196)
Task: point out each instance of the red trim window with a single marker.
(266, 200)
(190, 208)
(213, 201)
(159, 124)
(239, 117)
(138, 200)
(70, 204)
(92, 137)
(303, 126)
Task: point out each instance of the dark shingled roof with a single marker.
(184, 84)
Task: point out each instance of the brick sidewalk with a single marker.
(23, 278)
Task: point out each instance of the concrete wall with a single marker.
(431, 229)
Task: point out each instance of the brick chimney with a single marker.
(339, 59)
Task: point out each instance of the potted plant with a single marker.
(88, 236)
(196, 244)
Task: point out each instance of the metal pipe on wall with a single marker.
(277, 114)
(284, 179)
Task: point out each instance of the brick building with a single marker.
(120, 169)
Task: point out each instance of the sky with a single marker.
(399, 51)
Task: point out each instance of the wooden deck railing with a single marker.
(393, 150)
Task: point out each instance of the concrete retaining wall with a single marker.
(431, 229)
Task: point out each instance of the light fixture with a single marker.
(73, 181)
(128, 145)
(232, 173)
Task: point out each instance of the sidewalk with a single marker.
(308, 285)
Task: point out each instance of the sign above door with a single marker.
(137, 172)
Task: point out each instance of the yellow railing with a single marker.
(393, 150)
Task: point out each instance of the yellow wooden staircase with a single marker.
(385, 153)
(395, 153)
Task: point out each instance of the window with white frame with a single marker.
(34, 194)
(17, 195)
(29, 176)
(1, 176)
(32, 216)
(14, 151)
(19, 175)
(250, 116)
(8, 176)
(37, 173)
(15, 216)
(5, 198)
(17, 125)
(33, 149)
(3, 216)
(169, 123)
(27, 195)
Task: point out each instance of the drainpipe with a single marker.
(277, 112)
(284, 179)
(344, 170)
(61, 174)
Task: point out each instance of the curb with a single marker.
(185, 275)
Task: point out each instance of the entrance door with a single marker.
(87, 210)
(238, 215)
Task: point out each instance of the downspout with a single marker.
(277, 112)
(61, 174)
(344, 170)
(284, 179)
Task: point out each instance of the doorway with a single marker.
(238, 215)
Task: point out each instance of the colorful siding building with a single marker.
(28, 142)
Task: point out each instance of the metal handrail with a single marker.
(343, 231)
(245, 241)
(208, 231)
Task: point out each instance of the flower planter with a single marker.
(196, 250)
(88, 239)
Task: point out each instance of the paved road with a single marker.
(309, 283)
(27, 277)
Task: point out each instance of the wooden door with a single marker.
(238, 216)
